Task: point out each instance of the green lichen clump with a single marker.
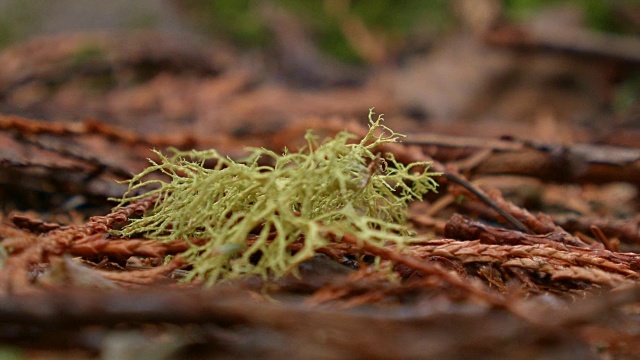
(250, 213)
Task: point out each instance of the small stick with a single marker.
(422, 266)
(597, 232)
(484, 198)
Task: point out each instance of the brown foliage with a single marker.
(501, 266)
(27, 251)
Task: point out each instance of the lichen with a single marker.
(249, 213)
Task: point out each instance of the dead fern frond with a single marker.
(575, 273)
(100, 245)
(142, 277)
(23, 251)
(598, 267)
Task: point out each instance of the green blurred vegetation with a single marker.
(599, 14)
(8, 352)
(394, 19)
(241, 20)
(627, 94)
(15, 18)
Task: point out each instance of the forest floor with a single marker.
(529, 249)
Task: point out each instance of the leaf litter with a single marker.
(507, 264)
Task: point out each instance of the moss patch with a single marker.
(250, 213)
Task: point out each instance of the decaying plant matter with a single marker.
(30, 244)
(333, 249)
(343, 198)
(344, 233)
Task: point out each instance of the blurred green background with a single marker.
(395, 20)
(244, 23)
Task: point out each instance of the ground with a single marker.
(528, 249)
